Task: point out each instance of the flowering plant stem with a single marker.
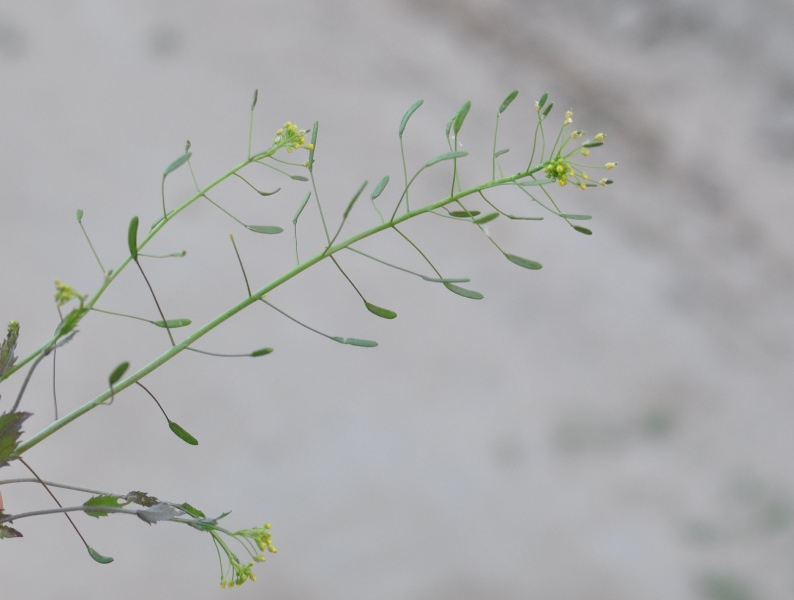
(254, 297)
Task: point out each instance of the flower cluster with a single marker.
(291, 138)
(64, 293)
(562, 170)
(255, 541)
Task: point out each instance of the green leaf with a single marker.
(548, 110)
(141, 498)
(379, 188)
(256, 96)
(299, 178)
(172, 323)
(10, 430)
(355, 342)
(384, 313)
(8, 532)
(592, 144)
(300, 208)
(102, 501)
(273, 193)
(414, 107)
(353, 200)
(182, 434)
(103, 560)
(192, 511)
(7, 348)
(79, 215)
(576, 217)
(464, 214)
(177, 163)
(500, 152)
(461, 116)
(447, 156)
(583, 230)
(314, 146)
(269, 229)
(132, 238)
(262, 352)
(524, 262)
(118, 373)
(507, 101)
(70, 321)
(463, 291)
(446, 279)
(543, 98)
(486, 218)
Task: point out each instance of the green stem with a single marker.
(225, 316)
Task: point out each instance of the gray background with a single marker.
(615, 426)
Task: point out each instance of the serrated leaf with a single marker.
(486, 218)
(132, 238)
(460, 116)
(102, 560)
(172, 323)
(10, 430)
(414, 107)
(379, 188)
(177, 163)
(576, 217)
(583, 230)
(355, 342)
(507, 101)
(262, 352)
(118, 373)
(463, 214)
(159, 512)
(70, 321)
(141, 498)
(500, 152)
(447, 156)
(8, 532)
(456, 289)
(523, 262)
(268, 229)
(8, 346)
(543, 98)
(79, 215)
(192, 511)
(100, 502)
(182, 434)
(384, 313)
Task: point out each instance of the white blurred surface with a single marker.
(615, 426)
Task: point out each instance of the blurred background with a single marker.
(615, 426)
